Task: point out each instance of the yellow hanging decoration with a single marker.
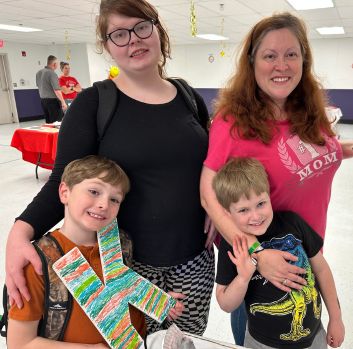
(193, 24)
(67, 46)
(222, 53)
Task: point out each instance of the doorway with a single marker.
(7, 110)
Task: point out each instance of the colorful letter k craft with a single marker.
(107, 304)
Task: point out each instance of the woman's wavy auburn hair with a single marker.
(251, 110)
(132, 8)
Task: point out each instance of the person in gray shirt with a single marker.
(52, 100)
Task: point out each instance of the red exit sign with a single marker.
(1, 43)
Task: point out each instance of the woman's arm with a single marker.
(77, 138)
(347, 148)
(20, 252)
(23, 335)
(66, 90)
(271, 263)
(77, 87)
(323, 274)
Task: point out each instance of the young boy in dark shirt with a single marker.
(276, 319)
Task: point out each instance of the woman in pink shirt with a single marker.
(273, 109)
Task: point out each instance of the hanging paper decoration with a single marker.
(193, 24)
(222, 53)
(67, 46)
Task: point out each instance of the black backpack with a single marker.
(58, 300)
(109, 100)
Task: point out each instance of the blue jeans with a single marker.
(238, 320)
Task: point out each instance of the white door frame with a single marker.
(9, 87)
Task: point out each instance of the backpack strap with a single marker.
(4, 316)
(57, 299)
(187, 94)
(108, 102)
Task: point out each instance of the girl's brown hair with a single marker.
(251, 111)
(132, 8)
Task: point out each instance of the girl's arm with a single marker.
(272, 264)
(323, 274)
(23, 335)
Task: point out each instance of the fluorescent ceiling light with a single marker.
(310, 4)
(212, 37)
(330, 30)
(18, 28)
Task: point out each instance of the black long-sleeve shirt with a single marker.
(161, 147)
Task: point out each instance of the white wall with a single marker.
(78, 61)
(99, 64)
(191, 62)
(334, 62)
(86, 65)
(333, 59)
(25, 67)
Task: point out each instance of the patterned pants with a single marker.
(195, 279)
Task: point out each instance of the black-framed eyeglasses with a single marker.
(121, 37)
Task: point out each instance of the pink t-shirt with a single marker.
(300, 174)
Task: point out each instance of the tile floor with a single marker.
(18, 185)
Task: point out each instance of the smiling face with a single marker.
(278, 65)
(89, 206)
(66, 70)
(140, 55)
(252, 216)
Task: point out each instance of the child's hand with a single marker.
(335, 333)
(175, 312)
(241, 258)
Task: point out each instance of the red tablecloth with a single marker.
(38, 146)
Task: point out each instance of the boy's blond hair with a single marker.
(94, 166)
(240, 176)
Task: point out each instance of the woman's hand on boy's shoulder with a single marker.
(20, 252)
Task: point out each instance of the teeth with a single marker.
(137, 53)
(280, 79)
(257, 223)
(95, 215)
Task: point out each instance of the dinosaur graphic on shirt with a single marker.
(294, 302)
